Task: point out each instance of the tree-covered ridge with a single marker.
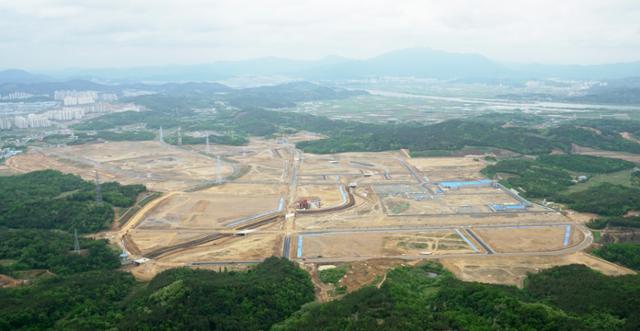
(429, 298)
(51, 200)
(605, 199)
(52, 250)
(177, 299)
(548, 175)
(82, 301)
(186, 299)
(585, 163)
(579, 290)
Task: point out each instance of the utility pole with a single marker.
(208, 150)
(179, 136)
(98, 189)
(161, 134)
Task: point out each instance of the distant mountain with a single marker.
(20, 77)
(413, 62)
(286, 95)
(80, 84)
(266, 66)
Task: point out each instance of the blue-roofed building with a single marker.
(460, 184)
(496, 207)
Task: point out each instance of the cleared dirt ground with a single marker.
(513, 270)
(159, 166)
(184, 213)
(329, 194)
(250, 247)
(448, 203)
(212, 208)
(529, 239)
(447, 168)
(376, 245)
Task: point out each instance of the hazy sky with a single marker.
(114, 33)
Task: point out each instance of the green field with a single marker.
(620, 178)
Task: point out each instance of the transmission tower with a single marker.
(161, 134)
(76, 243)
(179, 136)
(98, 189)
(208, 150)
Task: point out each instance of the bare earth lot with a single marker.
(252, 215)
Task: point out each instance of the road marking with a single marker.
(475, 249)
(299, 246)
(567, 235)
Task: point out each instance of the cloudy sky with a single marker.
(53, 34)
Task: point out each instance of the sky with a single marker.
(56, 34)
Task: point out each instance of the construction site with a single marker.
(233, 206)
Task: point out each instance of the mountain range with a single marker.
(413, 62)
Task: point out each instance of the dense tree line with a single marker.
(548, 177)
(178, 299)
(605, 199)
(81, 301)
(626, 254)
(429, 298)
(614, 221)
(126, 135)
(579, 290)
(51, 200)
(186, 299)
(52, 250)
(585, 163)
(231, 140)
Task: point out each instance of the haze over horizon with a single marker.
(56, 34)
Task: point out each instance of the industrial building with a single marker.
(454, 185)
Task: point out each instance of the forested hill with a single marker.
(571, 297)
(51, 200)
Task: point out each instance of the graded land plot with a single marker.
(512, 270)
(380, 244)
(370, 214)
(313, 164)
(252, 247)
(147, 240)
(329, 195)
(268, 170)
(473, 200)
(158, 166)
(215, 208)
(530, 238)
(388, 161)
(444, 168)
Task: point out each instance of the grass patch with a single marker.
(398, 207)
(333, 276)
(596, 236)
(619, 178)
